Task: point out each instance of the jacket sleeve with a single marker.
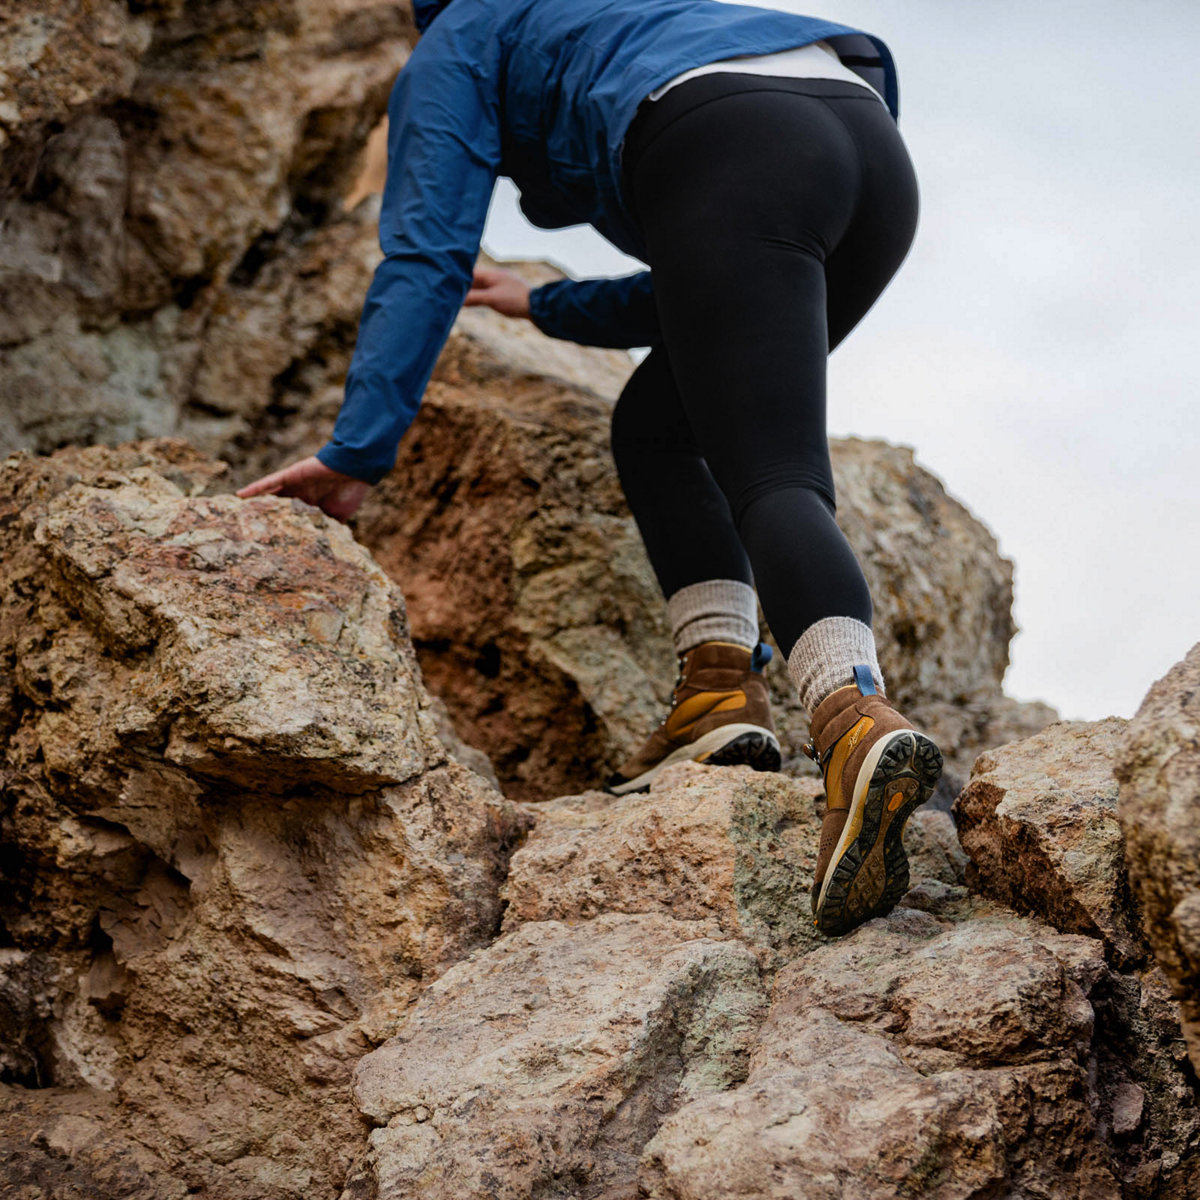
(598, 312)
(443, 157)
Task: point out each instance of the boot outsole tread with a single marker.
(849, 899)
(754, 750)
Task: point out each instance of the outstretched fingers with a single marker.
(310, 480)
(292, 480)
(483, 286)
(505, 291)
(268, 485)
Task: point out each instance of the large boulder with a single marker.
(1039, 820)
(233, 846)
(1159, 773)
(911, 1059)
(954, 1048)
(250, 898)
(950, 1054)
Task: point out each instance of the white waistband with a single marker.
(815, 61)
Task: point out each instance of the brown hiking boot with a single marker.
(720, 715)
(877, 770)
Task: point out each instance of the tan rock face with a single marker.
(954, 1049)
(730, 847)
(59, 57)
(240, 865)
(866, 1081)
(178, 263)
(542, 1064)
(253, 620)
(924, 1055)
(241, 857)
(505, 526)
(234, 849)
(1159, 773)
(69, 1144)
(153, 161)
(1039, 820)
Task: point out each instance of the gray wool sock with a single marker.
(717, 610)
(824, 658)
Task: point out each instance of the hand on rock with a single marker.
(502, 290)
(312, 481)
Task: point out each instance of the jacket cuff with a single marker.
(348, 462)
(537, 309)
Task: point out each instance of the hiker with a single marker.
(751, 158)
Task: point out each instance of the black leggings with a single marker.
(774, 212)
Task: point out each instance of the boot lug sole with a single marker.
(727, 746)
(868, 873)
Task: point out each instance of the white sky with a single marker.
(1038, 347)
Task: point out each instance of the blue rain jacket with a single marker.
(541, 91)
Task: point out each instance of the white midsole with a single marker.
(710, 743)
(852, 829)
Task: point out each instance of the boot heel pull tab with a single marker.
(866, 685)
(761, 656)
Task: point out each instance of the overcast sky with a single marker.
(1039, 347)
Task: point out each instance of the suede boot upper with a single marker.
(844, 728)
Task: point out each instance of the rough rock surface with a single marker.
(1159, 773)
(914, 1058)
(1039, 820)
(233, 846)
(732, 848)
(174, 259)
(964, 1053)
(542, 1064)
(240, 866)
(954, 1049)
(238, 856)
(155, 157)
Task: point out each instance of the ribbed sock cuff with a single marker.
(824, 658)
(717, 610)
